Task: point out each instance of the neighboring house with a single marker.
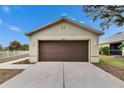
(113, 43)
(64, 40)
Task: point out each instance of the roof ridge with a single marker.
(116, 37)
(69, 20)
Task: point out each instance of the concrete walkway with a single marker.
(10, 65)
(63, 74)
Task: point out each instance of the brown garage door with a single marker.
(63, 51)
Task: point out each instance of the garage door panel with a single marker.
(63, 51)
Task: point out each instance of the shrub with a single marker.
(104, 50)
(121, 46)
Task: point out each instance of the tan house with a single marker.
(64, 40)
(113, 42)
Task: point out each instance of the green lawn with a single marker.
(111, 60)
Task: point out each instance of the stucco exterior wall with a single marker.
(123, 49)
(65, 31)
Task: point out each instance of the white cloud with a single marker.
(81, 22)
(64, 14)
(14, 28)
(72, 18)
(1, 22)
(91, 21)
(6, 9)
(10, 27)
(18, 7)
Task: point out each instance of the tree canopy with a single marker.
(108, 14)
(1, 48)
(25, 47)
(14, 45)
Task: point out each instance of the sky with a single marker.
(17, 20)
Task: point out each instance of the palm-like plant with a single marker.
(121, 46)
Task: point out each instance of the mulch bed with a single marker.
(116, 71)
(23, 62)
(6, 74)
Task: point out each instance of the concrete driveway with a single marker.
(63, 74)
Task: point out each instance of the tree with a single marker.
(104, 50)
(25, 47)
(1, 48)
(108, 14)
(6, 48)
(14, 45)
(121, 46)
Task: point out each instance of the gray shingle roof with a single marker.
(118, 37)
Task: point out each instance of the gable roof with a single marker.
(118, 37)
(64, 19)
